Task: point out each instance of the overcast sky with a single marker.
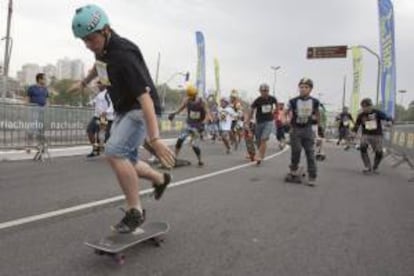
(246, 36)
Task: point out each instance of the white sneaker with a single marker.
(312, 182)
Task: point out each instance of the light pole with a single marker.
(344, 93)
(158, 68)
(378, 69)
(164, 88)
(274, 68)
(402, 92)
(7, 49)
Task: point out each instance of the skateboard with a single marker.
(251, 150)
(320, 157)
(42, 150)
(178, 163)
(115, 244)
(298, 178)
(151, 150)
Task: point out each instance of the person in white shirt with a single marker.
(101, 121)
(226, 117)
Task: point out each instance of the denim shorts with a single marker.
(128, 132)
(263, 131)
(93, 126)
(192, 132)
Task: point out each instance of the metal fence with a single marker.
(60, 125)
(400, 139)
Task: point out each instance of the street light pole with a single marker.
(274, 68)
(164, 88)
(7, 51)
(344, 93)
(378, 70)
(158, 68)
(402, 92)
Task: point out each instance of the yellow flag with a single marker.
(357, 64)
(217, 74)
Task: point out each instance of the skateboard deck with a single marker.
(251, 150)
(114, 244)
(178, 163)
(299, 178)
(320, 157)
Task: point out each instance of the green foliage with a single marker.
(61, 96)
(173, 97)
(403, 114)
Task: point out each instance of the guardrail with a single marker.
(400, 141)
(61, 125)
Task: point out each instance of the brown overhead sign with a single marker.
(327, 52)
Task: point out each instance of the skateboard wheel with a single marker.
(157, 241)
(120, 259)
(99, 252)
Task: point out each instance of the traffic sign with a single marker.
(327, 52)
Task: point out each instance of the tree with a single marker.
(409, 114)
(173, 97)
(61, 96)
(400, 113)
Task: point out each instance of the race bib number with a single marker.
(371, 125)
(346, 123)
(267, 108)
(195, 115)
(101, 69)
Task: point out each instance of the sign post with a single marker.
(327, 52)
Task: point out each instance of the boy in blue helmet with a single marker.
(121, 67)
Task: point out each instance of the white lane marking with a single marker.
(60, 212)
(18, 155)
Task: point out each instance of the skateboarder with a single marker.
(213, 123)
(121, 67)
(344, 120)
(264, 107)
(226, 114)
(197, 113)
(372, 135)
(320, 133)
(280, 124)
(103, 118)
(237, 123)
(303, 111)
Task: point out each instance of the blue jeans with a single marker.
(128, 132)
(303, 138)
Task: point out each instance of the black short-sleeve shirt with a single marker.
(371, 122)
(344, 119)
(128, 75)
(264, 108)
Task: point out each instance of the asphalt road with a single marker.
(246, 221)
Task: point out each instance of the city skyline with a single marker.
(63, 68)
